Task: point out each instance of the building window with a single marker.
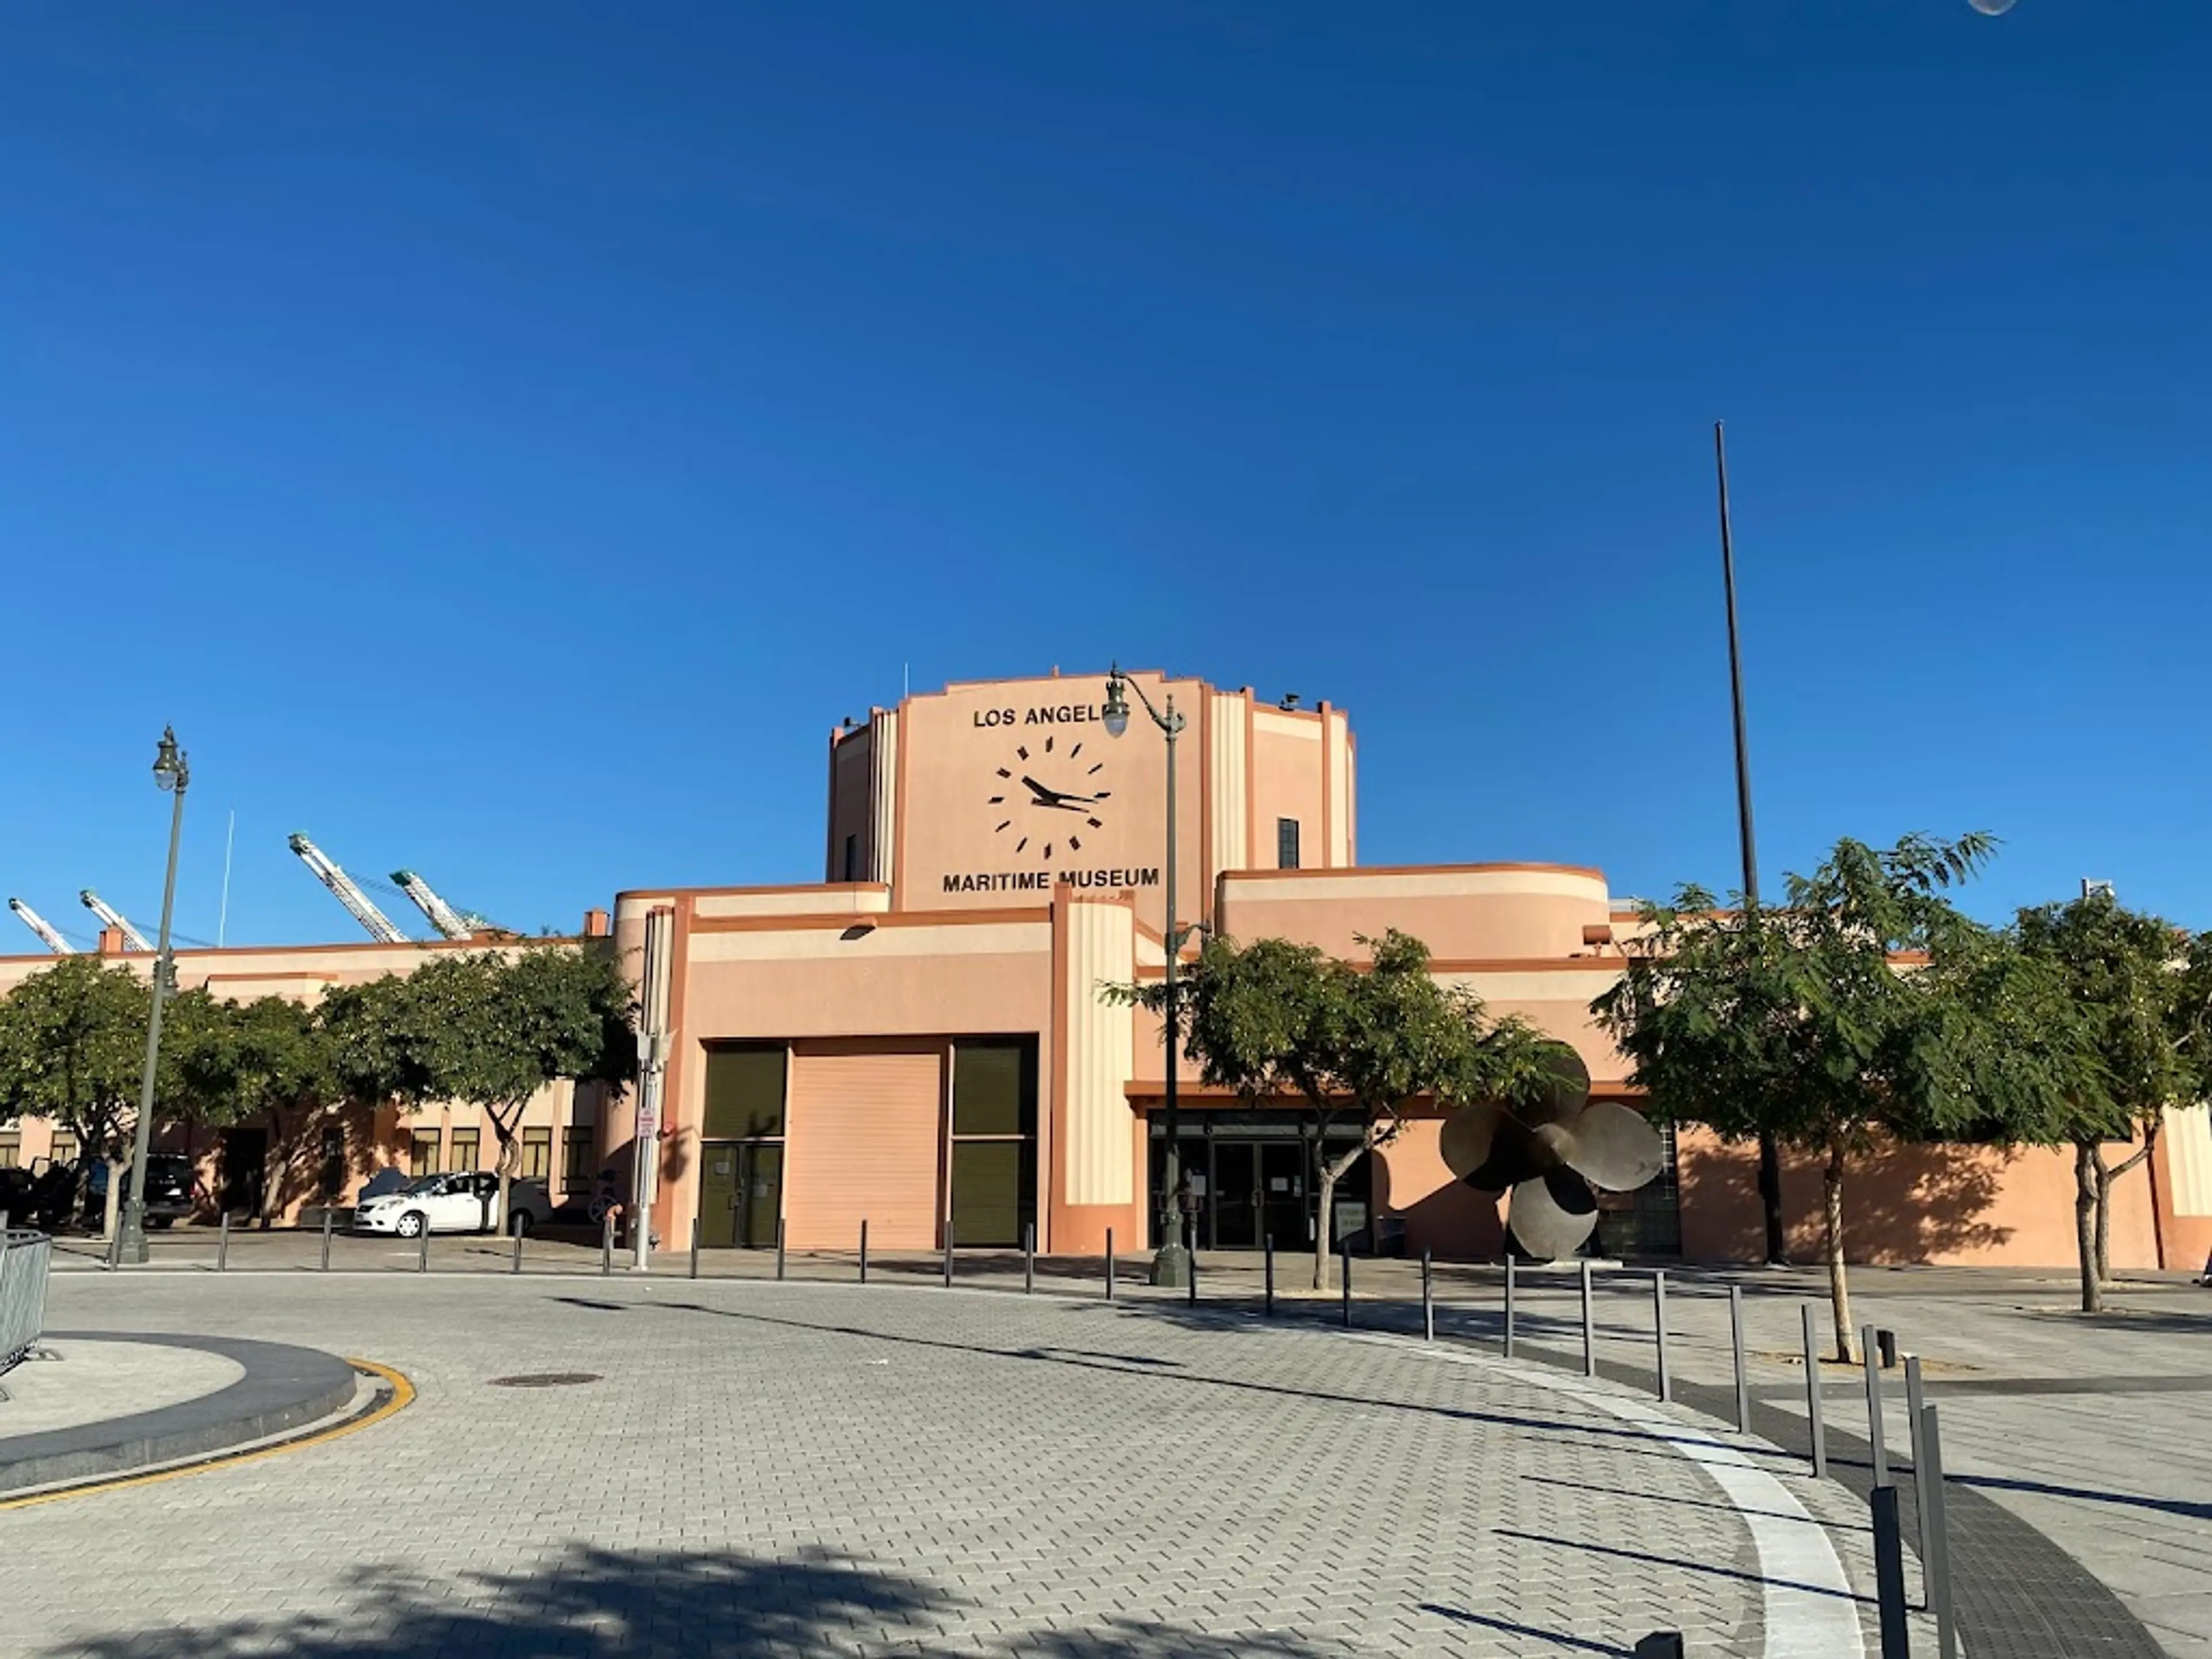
(423, 1152)
(536, 1154)
(852, 858)
(65, 1148)
(467, 1143)
(744, 1091)
(11, 1151)
(1286, 843)
(576, 1161)
(994, 1154)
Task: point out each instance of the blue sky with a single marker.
(506, 439)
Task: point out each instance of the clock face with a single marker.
(1045, 799)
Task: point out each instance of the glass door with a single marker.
(760, 1206)
(1233, 1223)
(1284, 1214)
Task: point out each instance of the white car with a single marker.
(462, 1203)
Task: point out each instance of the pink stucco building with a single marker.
(918, 1040)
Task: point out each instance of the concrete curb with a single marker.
(283, 1388)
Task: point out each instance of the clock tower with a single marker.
(997, 794)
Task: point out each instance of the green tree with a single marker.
(267, 1062)
(1797, 1020)
(492, 1028)
(1367, 1039)
(73, 1049)
(2131, 981)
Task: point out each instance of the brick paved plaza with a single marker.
(813, 1469)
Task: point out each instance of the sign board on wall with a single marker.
(1015, 789)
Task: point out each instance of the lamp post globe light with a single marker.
(1171, 1259)
(173, 774)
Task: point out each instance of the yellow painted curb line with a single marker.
(403, 1396)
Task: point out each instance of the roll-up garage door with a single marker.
(865, 1139)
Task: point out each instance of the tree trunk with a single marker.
(510, 1158)
(275, 1164)
(2105, 1179)
(1324, 1207)
(2085, 1224)
(1839, 1287)
(115, 1172)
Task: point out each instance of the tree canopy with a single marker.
(1866, 1005)
(1365, 1039)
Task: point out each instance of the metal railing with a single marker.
(23, 1264)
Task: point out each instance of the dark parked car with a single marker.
(168, 1188)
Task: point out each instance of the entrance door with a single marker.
(718, 1194)
(1283, 1213)
(760, 1197)
(1235, 1221)
(245, 1169)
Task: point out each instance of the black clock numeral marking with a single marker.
(1023, 750)
(1105, 795)
(1004, 772)
(1048, 849)
(1094, 823)
(1077, 750)
(1008, 824)
(1075, 844)
(998, 800)
(1047, 743)
(1096, 766)
(1022, 843)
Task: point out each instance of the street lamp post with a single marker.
(173, 774)
(1171, 1260)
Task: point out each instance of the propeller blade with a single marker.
(1560, 1097)
(1551, 1216)
(1485, 1147)
(1612, 1146)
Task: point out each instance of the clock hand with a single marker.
(1046, 797)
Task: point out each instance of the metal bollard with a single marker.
(864, 1249)
(1878, 1446)
(1110, 1264)
(1659, 1332)
(1889, 1573)
(1589, 1324)
(222, 1242)
(948, 1253)
(3, 1221)
(695, 1247)
(1742, 1377)
(1886, 1343)
(1818, 1429)
(1428, 1299)
(607, 1246)
(1343, 1253)
(326, 1238)
(1936, 1533)
(1190, 1285)
(515, 1266)
(1913, 1403)
(1267, 1266)
(1028, 1258)
(422, 1249)
(779, 1247)
(1508, 1302)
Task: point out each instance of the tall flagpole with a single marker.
(1770, 1158)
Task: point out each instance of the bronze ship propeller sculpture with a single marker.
(1550, 1151)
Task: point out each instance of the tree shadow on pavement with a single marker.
(594, 1603)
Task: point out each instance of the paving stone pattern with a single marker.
(808, 1469)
